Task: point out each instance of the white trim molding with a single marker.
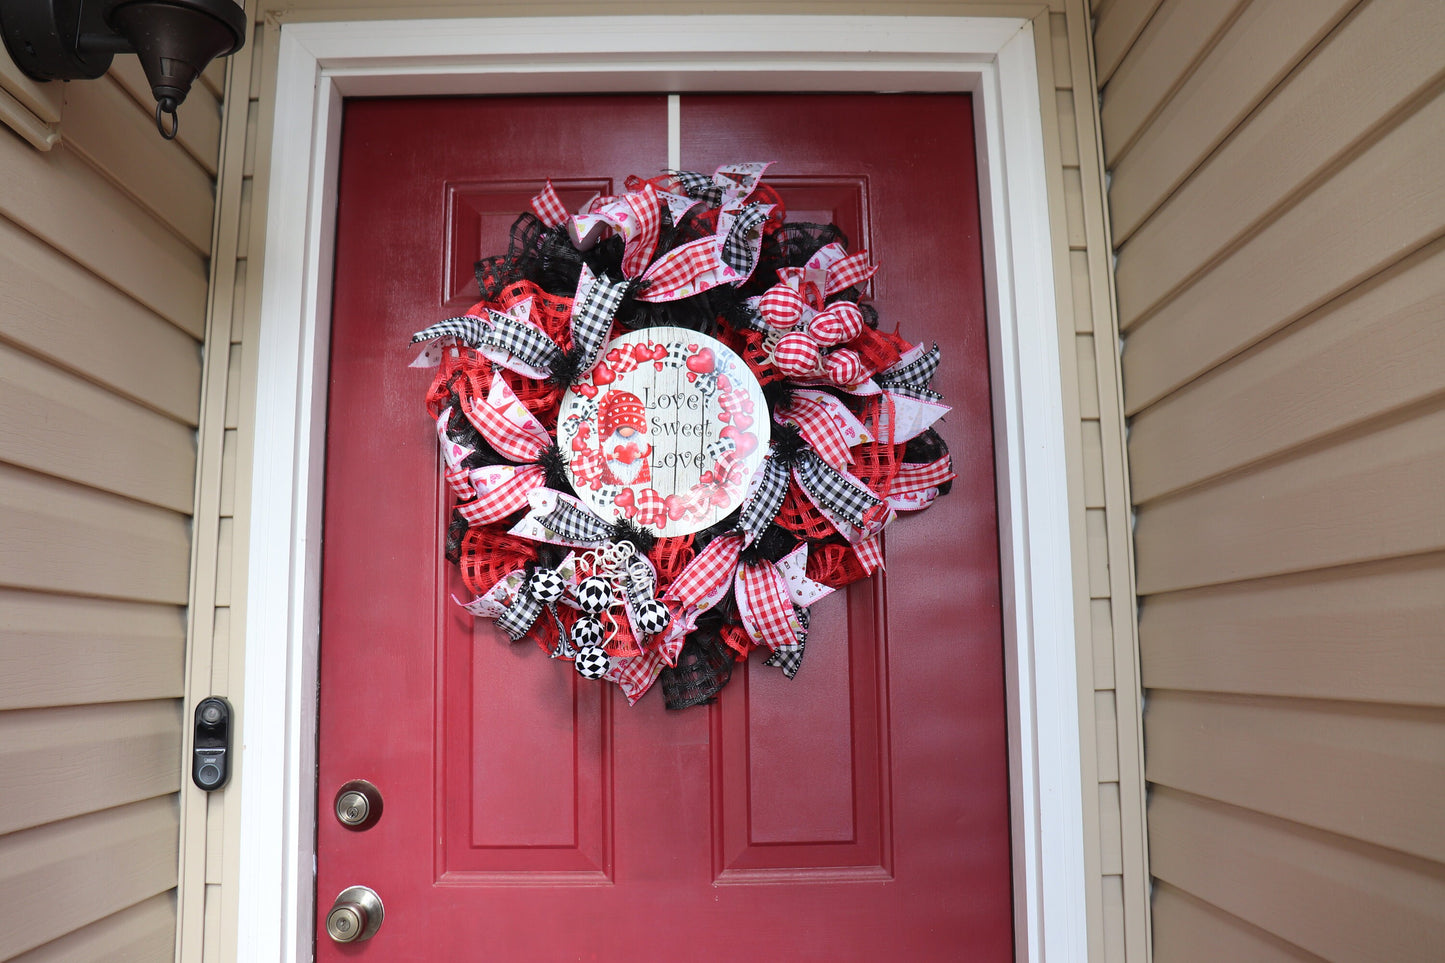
(321, 63)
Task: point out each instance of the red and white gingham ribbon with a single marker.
(548, 207)
(914, 477)
(636, 216)
(506, 423)
(825, 423)
(501, 490)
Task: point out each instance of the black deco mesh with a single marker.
(704, 666)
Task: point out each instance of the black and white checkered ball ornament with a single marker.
(591, 662)
(652, 616)
(547, 586)
(587, 633)
(594, 594)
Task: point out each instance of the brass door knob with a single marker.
(358, 805)
(355, 916)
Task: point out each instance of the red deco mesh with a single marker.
(879, 351)
(550, 312)
(834, 565)
(623, 645)
(467, 373)
(756, 356)
(801, 517)
(736, 638)
(488, 553)
(670, 555)
(876, 464)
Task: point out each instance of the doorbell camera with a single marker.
(211, 746)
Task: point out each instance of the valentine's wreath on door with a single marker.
(671, 425)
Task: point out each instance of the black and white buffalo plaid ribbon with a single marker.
(911, 378)
(574, 524)
(833, 491)
(519, 617)
(789, 658)
(597, 301)
(740, 248)
(766, 498)
(699, 186)
(500, 331)
(467, 329)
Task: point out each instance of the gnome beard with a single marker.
(625, 447)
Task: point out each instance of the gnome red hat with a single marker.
(620, 409)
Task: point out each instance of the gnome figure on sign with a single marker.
(623, 439)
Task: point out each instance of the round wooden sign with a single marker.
(665, 430)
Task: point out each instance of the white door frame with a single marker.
(321, 63)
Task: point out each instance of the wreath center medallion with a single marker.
(664, 431)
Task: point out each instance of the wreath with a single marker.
(671, 425)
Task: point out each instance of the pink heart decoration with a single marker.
(625, 500)
(744, 441)
(675, 506)
(702, 362)
(742, 420)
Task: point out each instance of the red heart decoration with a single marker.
(691, 377)
(702, 362)
(615, 355)
(742, 420)
(724, 382)
(625, 499)
(676, 507)
(641, 352)
(657, 365)
(603, 375)
(743, 441)
(659, 353)
(587, 391)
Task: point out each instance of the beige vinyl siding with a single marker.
(1279, 221)
(1109, 693)
(104, 247)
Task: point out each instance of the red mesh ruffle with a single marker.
(670, 555)
(879, 351)
(801, 517)
(756, 356)
(834, 564)
(488, 553)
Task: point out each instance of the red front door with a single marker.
(858, 812)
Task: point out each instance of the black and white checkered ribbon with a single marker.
(765, 500)
(740, 247)
(592, 319)
(467, 329)
(832, 491)
(789, 658)
(517, 621)
(912, 378)
(574, 524)
(699, 186)
(501, 331)
(521, 341)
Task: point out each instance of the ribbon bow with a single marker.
(855, 511)
(492, 492)
(769, 594)
(796, 308)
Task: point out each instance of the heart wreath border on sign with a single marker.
(850, 416)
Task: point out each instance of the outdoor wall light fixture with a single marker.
(76, 39)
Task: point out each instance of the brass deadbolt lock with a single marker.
(358, 805)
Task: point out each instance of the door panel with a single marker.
(856, 812)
